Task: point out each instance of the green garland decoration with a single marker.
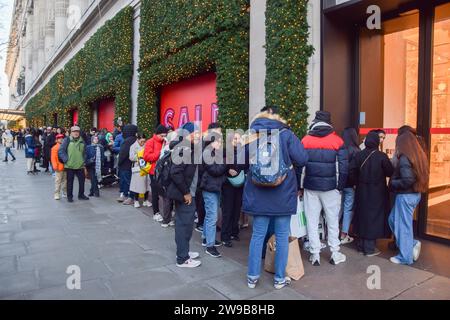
(288, 54)
(181, 39)
(101, 69)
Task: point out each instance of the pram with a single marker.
(109, 173)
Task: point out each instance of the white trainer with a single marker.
(147, 204)
(189, 263)
(136, 204)
(194, 255)
(416, 250)
(395, 260)
(337, 258)
(157, 217)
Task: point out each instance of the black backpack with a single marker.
(162, 172)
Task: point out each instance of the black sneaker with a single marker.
(83, 197)
(212, 251)
(217, 244)
(227, 244)
(235, 238)
(199, 229)
(70, 200)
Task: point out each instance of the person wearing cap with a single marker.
(58, 167)
(184, 176)
(152, 151)
(73, 154)
(325, 177)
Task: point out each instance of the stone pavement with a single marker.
(124, 254)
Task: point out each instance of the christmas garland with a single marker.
(288, 53)
(101, 69)
(181, 39)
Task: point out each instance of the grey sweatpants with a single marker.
(330, 202)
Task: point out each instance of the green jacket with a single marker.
(75, 154)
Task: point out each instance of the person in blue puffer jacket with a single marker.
(277, 203)
(325, 177)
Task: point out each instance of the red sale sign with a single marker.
(190, 100)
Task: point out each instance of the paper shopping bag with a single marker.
(294, 267)
(298, 221)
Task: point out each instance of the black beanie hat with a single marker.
(372, 140)
(323, 116)
(161, 129)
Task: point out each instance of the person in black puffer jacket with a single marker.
(211, 183)
(350, 137)
(410, 179)
(182, 189)
(129, 136)
(325, 177)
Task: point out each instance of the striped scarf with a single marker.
(98, 164)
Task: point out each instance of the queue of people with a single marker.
(361, 192)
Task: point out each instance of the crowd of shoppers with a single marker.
(354, 185)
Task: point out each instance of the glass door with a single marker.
(389, 78)
(438, 216)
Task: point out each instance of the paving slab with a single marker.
(90, 290)
(436, 288)
(12, 249)
(7, 265)
(17, 283)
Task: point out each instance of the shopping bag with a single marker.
(298, 221)
(294, 267)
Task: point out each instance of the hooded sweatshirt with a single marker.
(129, 136)
(327, 167)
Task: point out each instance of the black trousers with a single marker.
(167, 210)
(94, 181)
(184, 225)
(367, 246)
(200, 207)
(155, 194)
(231, 211)
(71, 173)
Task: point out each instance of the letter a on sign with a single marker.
(74, 280)
(374, 20)
(374, 280)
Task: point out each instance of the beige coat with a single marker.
(138, 183)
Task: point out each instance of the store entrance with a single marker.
(390, 87)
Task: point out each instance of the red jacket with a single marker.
(152, 151)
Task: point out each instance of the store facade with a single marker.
(395, 75)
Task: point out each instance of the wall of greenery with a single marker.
(288, 53)
(102, 69)
(181, 39)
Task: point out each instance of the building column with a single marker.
(257, 89)
(49, 42)
(314, 67)
(61, 30)
(136, 60)
(29, 51)
(35, 64)
(41, 35)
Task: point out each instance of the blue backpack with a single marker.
(268, 168)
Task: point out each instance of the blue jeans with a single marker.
(401, 224)
(347, 206)
(282, 226)
(125, 180)
(8, 151)
(211, 200)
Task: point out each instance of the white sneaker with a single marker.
(64, 195)
(337, 258)
(164, 225)
(347, 239)
(190, 264)
(315, 259)
(158, 218)
(395, 260)
(147, 204)
(172, 223)
(194, 255)
(57, 197)
(416, 250)
(136, 204)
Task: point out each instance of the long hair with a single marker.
(408, 145)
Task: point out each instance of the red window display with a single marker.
(75, 117)
(192, 100)
(105, 114)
